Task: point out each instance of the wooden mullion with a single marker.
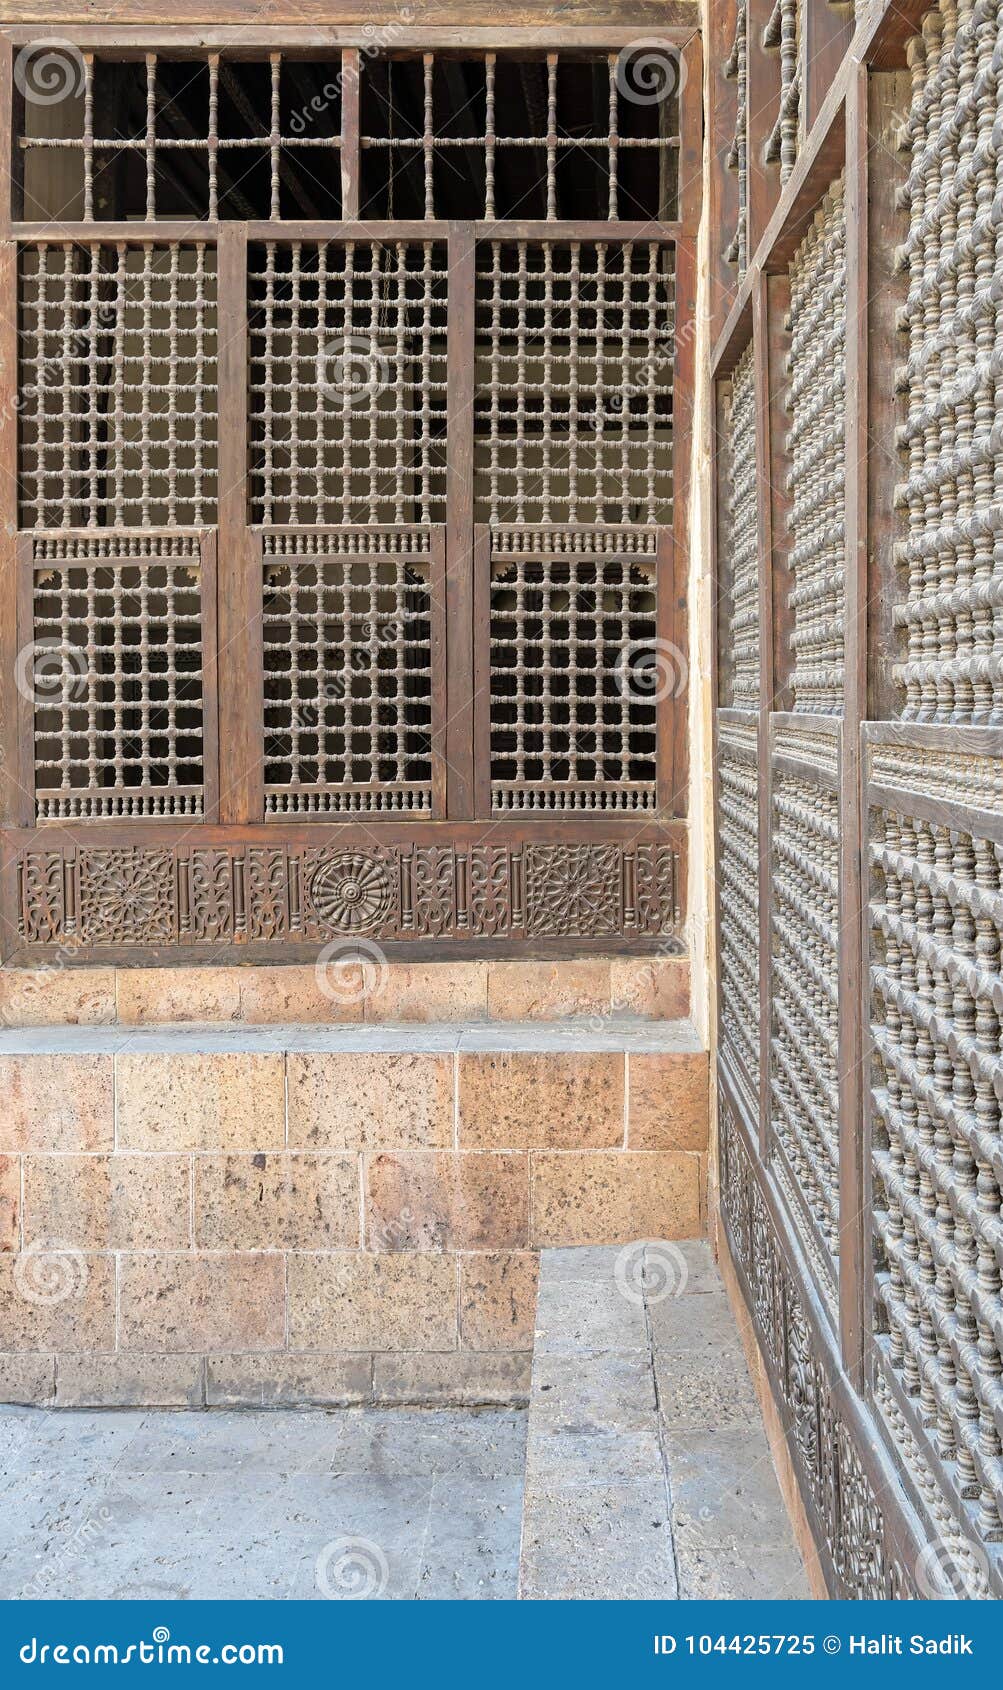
(684, 382)
(210, 676)
(8, 157)
(16, 807)
(351, 145)
(437, 651)
(482, 670)
(826, 33)
(764, 372)
(850, 1040)
(460, 354)
(241, 789)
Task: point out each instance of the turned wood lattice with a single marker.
(117, 673)
(859, 774)
(736, 69)
(575, 670)
(574, 381)
(783, 34)
(816, 443)
(950, 669)
(207, 136)
(117, 385)
(348, 382)
(348, 659)
(547, 137)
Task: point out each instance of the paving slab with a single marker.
(648, 1472)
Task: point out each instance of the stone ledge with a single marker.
(655, 987)
(633, 1034)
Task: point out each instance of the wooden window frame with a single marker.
(642, 857)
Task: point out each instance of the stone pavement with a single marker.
(242, 1504)
(648, 1471)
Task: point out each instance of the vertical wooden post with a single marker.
(850, 1047)
(771, 299)
(351, 146)
(238, 564)
(460, 353)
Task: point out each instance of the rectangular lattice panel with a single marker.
(736, 69)
(206, 136)
(738, 605)
(575, 669)
(348, 382)
(738, 898)
(816, 445)
(573, 409)
(783, 35)
(936, 1152)
(347, 629)
(948, 610)
(555, 136)
(117, 386)
(804, 1025)
(114, 673)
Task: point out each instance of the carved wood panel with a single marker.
(278, 891)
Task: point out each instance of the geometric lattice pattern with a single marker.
(348, 673)
(783, 32)
(204, 135)
(952, 487)
(805, 948)
(816, 444)
(487, 136)
(575, 669)
(937, 1151)
(117, 385)
(738, 895)
(116, 678)
(739, 630)
(348, 381)
(574, 382)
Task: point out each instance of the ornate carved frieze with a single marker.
(849, 1511)
(188, 894)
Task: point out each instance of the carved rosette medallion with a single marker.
(350, 892)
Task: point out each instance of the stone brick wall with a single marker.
(276, 1213)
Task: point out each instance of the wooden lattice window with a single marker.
(491, 135)
(352, 636)
(815, 442)
(353, 361)
(348, 381)
(573, 625)
(117, 385)
(574, 382)
(116, 675)
(205, 137)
